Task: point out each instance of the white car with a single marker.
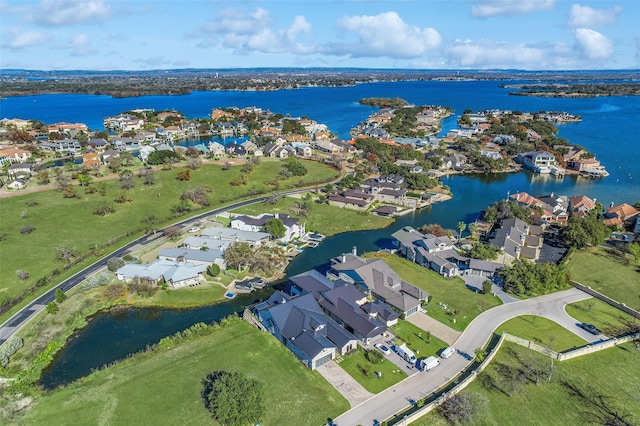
(448, 352)
(194, 229)
(382, 348)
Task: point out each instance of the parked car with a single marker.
(590, 328)
(382, 348)
(446, 353)
(194, 229)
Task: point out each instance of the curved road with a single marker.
(476, 335)
(20, 318)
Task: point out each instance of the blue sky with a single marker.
(421, 34)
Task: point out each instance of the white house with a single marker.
(293, 229)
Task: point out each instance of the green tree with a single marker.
(483, 251)
(480, 354)
(461, 227)
(213, 270)
(233, 399)
(60, 295)
(238, 254)
(275, 227)
(52, 308)
(486, 287)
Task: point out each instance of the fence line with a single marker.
(251, 319)
(606, 299)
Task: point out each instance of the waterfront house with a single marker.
(292, 226)
(91, 159)
(300, 324)
(517, 240)
(253, 238)
(351, 199)
(98, 144)
(123, 122)
(538, 161)
(175, 274)
(197, 257)
(20, 170)
(67, 129)
(13, 155)
(588, 167)
(216, 149)
(620, 215)
(379, 281)
(205, 243)
(65, 146)
(581, 205)
(326, 146)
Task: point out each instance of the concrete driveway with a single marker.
(344, 383)
(437, 329)
(392, 400)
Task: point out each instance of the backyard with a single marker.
(416, 339)
(164, 387)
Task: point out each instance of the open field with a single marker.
(415, 338)
(609, 320)
(355, 363)
(542, 331)
(164, 388)
(612, 373)
(450, 292)
(321, 217)
(72, 222)
(615, 277)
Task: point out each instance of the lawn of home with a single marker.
(608, 381)
(364, 371)
(321, 218)
(164, 387)
(416, 340)
(616, 277)
(449, 292)
(71, 221)
(542, 331)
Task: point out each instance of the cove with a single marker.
(113, 335)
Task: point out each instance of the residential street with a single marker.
(400, 396)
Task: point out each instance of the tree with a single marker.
(197, 194)
(473, 228)
(582, 232)
(275, 227)
(65, 252)
(184, 175)
(60, 295)
(233, 399)
(486, 287)
(461, 227)
(115, 263)
(172, 232)
(126, 179)
(42, 177)
(461, 408)
(213, 270)
(104, 208)
(483, 251)
(115, 290)
(149, 223)
(238, 254)
(23, 275)
(480, 354)
(69, 192)
(433, 229)
(84, 179)
(295, 167)
(149, 177)
(52, 308)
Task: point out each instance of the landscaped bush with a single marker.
(375, 357)
(10, 347)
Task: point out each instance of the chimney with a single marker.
(276, 215)
(354, 250)
(522, 237)
(344, 258)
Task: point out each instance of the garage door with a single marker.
(323, 360)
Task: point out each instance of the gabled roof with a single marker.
(262, 219)
(312, 282)
(235, 234)
(191, 254)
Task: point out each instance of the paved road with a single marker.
(400, 396)
(20, 318)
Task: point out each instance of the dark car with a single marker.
(590, 328)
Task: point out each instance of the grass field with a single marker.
(542, 331)
(612, 373)
(611, 276)
(164, 388)
(609, 320)
(71, 221)
(321, 217)
(415, 338)
(450, 292)
(355, 363)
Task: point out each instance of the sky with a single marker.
(400, 34)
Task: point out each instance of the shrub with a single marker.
(10, 347)
(116, 290)
(27, 229)
(23, 275)
(374, 357)
(115, 263)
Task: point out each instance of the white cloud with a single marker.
(15, 38)
(486, 8)
(490, 54)
(587, 17)
(252, 32)
(386, 35)
(69, 12)
(593, 45)
(80, 45)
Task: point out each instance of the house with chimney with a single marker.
(517, 240)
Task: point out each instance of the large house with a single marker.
(378, 280)
(539, 161)
(253, 238)
(175, 274)
(197, 257)
(301, 325)
(293, 229)
(517, 240)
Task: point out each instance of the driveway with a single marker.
(344, 383)
(385, 404)
(437, 329)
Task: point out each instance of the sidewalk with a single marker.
(437, 329)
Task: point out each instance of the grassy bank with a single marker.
(614, 276)
(71, 221)
(321, 217)
(608, 381)
(163, 387)
(449, 292)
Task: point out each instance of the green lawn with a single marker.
(542, 331)
(164, 388)
(415, 338)
(450, 292)
(609, 320)
(71, 221)
(613, 277)
(355, 363)
(322, 217)
(184, 297)
(612, 373)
